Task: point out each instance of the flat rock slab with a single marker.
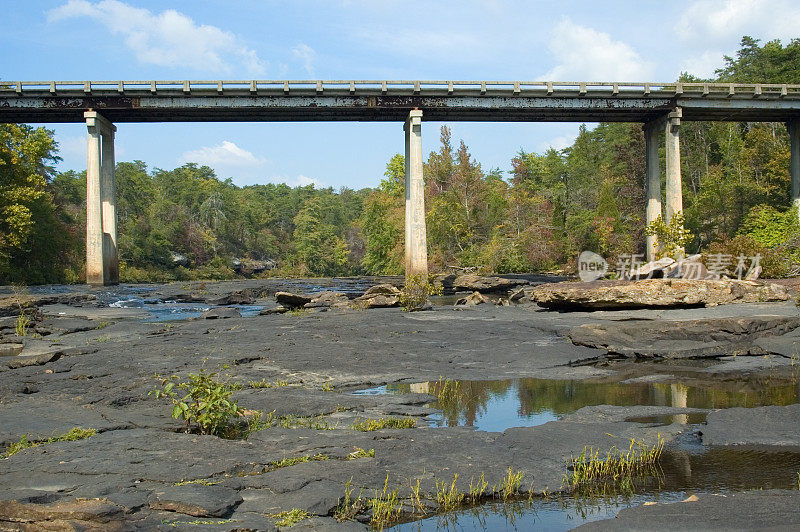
(752, 510)
(766, 425)
(196, 499)
(654, 293)
(711, 337)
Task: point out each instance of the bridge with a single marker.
(660, 107)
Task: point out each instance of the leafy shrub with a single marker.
(416, 291)
(206, 403)
(672, 237)
(771, 262)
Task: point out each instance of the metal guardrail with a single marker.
(516, 88)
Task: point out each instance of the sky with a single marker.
(568, 40)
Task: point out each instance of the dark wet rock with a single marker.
(766, 425)
(687, 338)
(616, 414)
(752, 510)
(220, 313)
(196, 499)
(77, 514)
(654, 293)
(290, 300)
(475, 298)
(68, 325)
(187, 298)
(787, 345)
(242, 297)
(481, 283)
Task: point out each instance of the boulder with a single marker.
(10, 349)
(480, 283)
(654, 293)
(475, 298)
(327, 299)
(290, 300)
(381, 289)
(220, 313)
(378, 301)
(651, 270)
(516, 295)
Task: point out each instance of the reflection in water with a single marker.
(498, 405)
(682, 474)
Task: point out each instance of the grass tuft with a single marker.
(369, 425)
(74, 434)
(361, 453)
(385, 505)
(290, 518)
(617, 467)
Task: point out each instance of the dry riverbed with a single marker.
(496, 401)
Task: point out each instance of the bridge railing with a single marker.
(402, 87)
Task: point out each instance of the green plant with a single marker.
(200, 481)
(348, 506)
(416, 499)
(21, 325)
(369, 425)
(327, 387)
(290, 518)
(617, 467)
(449, 498)
(74, 434)
(287, 462)
(672, 237)
(206, 402)
(361, 453)
(385, 505)
(477, 488)
(511, 483)
(417, 289)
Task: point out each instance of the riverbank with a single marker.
(94, 362)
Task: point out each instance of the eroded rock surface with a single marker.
(654, 293)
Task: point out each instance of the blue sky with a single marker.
(362, 39)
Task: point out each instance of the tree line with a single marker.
(536, 217)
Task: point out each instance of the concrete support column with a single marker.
(102, 262)
(794, 162)
(674, 192)
(416, 235)
(652, 131)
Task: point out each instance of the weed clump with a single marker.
(361, 453)
(385, 505)
(616, 467)
(74, 434)
(206, 402)
(290, 518)
(369, 425)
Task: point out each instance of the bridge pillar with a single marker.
(102, 260)
(794, 163)
(674, 192)
(416, 237)
(652, 130)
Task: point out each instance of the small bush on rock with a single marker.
(206, 403)
(416, 291)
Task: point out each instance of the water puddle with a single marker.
(498, 405)
(681, 474)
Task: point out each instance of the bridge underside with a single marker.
(280, 108)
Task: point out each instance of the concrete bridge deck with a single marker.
(364, 100)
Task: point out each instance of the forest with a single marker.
(186, 223)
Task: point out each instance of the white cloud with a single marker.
(226, 155)
(299, 181)
(557, 143)
(169, 38)
(307, 55)
(584, 54)
(715, 23)
(702, 65)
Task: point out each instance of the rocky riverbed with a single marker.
(485, 392)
